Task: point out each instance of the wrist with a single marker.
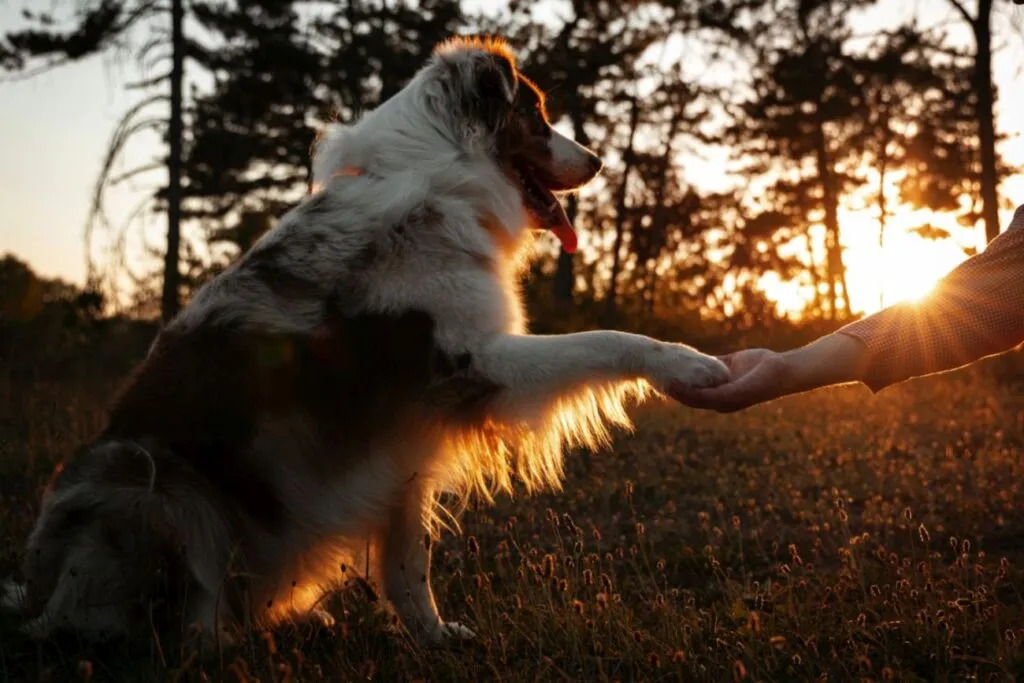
(833, 359)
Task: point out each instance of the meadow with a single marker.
(838, 536)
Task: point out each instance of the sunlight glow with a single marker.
(906, 268)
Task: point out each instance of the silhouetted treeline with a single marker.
(807, 112)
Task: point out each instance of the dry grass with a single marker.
(829, 537)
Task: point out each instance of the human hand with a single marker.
(760, 375)
(756, 375)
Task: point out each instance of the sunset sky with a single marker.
(55, 128)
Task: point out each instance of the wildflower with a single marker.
(754, 622)
(923, 533)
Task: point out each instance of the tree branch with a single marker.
(959, 7)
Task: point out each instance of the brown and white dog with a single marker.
(305, 410)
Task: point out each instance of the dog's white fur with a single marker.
(415, 150)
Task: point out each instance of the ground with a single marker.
(836, 536)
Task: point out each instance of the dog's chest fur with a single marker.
(324, 366)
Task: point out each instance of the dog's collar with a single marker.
(349, 171)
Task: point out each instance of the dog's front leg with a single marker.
(406, 571)
(533, 371)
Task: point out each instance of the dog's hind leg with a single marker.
(406, 571)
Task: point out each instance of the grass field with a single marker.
(836, 536)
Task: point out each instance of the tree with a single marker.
(797, 126)
(103, 25)
(981, 28)
(586, 58)
(917, 103)
(282, 74)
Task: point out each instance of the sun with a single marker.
(905, 267)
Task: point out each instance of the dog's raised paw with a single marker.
(678, 366)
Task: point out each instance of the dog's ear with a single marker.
(496, 87)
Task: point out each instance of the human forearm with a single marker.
(829, 360)
(975, 311)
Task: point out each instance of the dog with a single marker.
(297, 423)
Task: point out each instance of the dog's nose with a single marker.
(596, 164)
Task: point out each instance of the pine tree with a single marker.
(99, 26)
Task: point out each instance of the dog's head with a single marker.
(497, 108)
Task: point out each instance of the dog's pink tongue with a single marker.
(562, 228)
(567, 236)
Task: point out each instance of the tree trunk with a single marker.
(812, 268)
(565, 277)
(171, 299)
(883, 207)
(620, 211)
(986, 124)
(833, 248)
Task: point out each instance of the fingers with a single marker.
(726, 398)
(747, 388)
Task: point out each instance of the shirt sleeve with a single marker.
(975, 311)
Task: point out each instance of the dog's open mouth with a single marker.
(539, 198)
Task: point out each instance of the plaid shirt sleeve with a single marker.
(976, 310)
